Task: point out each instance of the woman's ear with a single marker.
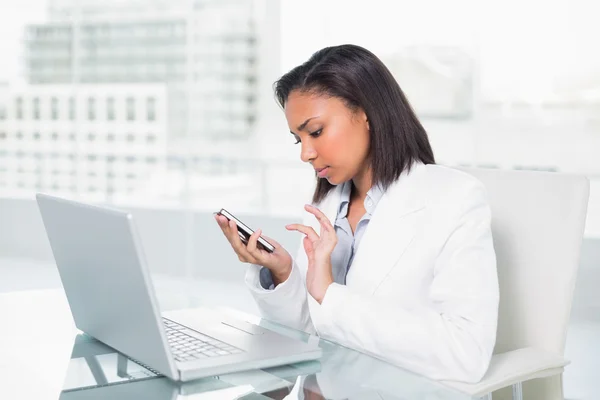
(361, 115)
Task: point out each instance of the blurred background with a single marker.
(165, 108)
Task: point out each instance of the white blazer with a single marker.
(422, 291)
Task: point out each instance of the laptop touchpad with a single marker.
(244, 327)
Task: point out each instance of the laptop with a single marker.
(107, 283)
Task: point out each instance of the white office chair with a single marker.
(538, 220)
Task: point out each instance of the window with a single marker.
(91, 108)
(54, 108)
(19, 108)
(36, 136)
(91, 137)
(72, 111)
(151, 109)
(131, 137)
(19, 135)
(151, 138)
(2, 112)
(110, 137)
(36, 108)
(130, 109)
(2, 135)
(110, 108)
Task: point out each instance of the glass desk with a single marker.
(43, 356)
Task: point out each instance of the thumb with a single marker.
(269, 239)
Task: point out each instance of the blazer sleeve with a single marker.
(453, 337)
(286, 304)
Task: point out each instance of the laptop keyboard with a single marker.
(189, 348)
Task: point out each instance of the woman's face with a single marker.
(331, 135)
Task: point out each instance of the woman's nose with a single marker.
(307, 153)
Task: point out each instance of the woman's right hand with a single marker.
(279, 262)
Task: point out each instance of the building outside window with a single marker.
(72, 108)
(151, 108)
(91, 108)
(130, 109)
(19, 108)
(110, 108)
(36, 108)
(54, 108)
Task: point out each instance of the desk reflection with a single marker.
(97, 371)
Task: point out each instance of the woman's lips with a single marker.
(323, 173)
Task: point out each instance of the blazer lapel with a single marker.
(390, 231)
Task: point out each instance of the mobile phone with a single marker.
(245, 232)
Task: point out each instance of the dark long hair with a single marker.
(357, 77)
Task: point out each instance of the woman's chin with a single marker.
(332, 180)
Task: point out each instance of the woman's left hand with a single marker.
(318, 251)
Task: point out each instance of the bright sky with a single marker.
(14, 16)
(523, 44)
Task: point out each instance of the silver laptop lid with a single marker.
(104, 274)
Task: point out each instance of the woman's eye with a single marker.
(312, 134)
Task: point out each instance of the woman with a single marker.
(397, 259)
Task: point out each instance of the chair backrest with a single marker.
(538, 221)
